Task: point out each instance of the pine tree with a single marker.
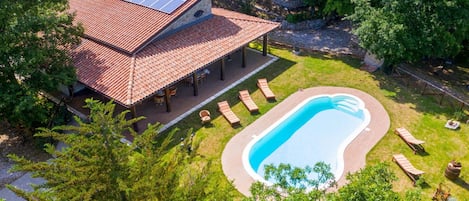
(96, 165)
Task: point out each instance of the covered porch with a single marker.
(184, 102)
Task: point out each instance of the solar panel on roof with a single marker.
(166, 6)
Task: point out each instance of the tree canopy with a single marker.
(408, 31)
(96, 165)
(370, 183)
(293, 183)
(34, 42)
(327, 7)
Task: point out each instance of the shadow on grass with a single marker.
(424, 98)
(423, 184)
(422, 153)
(461, 182)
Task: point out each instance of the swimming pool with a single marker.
(317, 129)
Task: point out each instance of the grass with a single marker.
(421, 115)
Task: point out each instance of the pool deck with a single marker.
(355, 152)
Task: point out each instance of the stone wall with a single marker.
(188, 17)
(305, 25)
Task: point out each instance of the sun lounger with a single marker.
(409, 169)
(413, 143)
(247, 101)
(264, 87)
(226, 111)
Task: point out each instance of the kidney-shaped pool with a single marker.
(335, 125)
(318, 129)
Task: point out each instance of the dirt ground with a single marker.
(11, 142)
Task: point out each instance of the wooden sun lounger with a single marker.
(226, 111)
(413, 143)
(247, 101)
(408, 168)
(265, 89)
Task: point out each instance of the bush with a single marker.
(247, 7)
(295, 18)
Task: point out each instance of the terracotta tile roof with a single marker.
(103, 69)
(166, 61)
(122, 24)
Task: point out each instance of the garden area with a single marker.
(421, 115)
(184, 162)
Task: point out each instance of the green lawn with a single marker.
(421, 115)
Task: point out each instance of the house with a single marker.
(133, 49)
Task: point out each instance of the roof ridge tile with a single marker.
(130, 84)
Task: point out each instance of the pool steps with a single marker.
(348, 104)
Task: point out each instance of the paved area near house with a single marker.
(184, 102)
(335, 39)
(24, 183)
(355, 152)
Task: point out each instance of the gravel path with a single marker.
(335, 39)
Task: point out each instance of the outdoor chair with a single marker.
(172, 91)
(204, 116)
(226, 111)
(247, 101)
(413, 173)
(408, 138)
(265, 89)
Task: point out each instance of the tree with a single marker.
(34, 43)
(96, 165)
(341, 7)
(408, 31)
(328, 7)
(292, 183)
(371, 183)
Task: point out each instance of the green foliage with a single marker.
(341, 7)
(292, 183)
(407, 31)
(34, 44)
(247, 6)
(96, 165)
(322, 8)
(316, 7)
(298, 17)
(414, 195)
(371, 183)
(459, 115)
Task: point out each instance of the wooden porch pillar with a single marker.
(195, 84)
(264, 45)
(424, 87)
(133, 113)
(222, 69)
(70, 91)
(243, 57)
(167, 98)
(442, 96)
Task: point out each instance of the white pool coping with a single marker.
(354, 153)
(340, 153)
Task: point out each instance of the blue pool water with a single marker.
(317, 130)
